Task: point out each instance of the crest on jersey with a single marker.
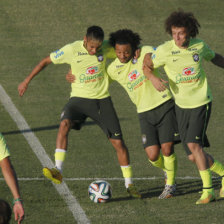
(144, 139)
(100, 58)
(134, 61)
(196, 57)
(133, 75)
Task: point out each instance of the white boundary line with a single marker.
(102, 178)
(44, 159)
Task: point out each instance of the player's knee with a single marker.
(194, 147)
(65, 126)
(153, 152)
(118, 144)
(167, 149)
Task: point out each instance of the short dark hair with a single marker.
(125, 36)
(95, 33)
(182, 19)
(5, 212)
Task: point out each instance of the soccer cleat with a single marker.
(53, 174)
(132, 191)
(168, 191)
(221, 193)
(206, 197)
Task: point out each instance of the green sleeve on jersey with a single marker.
(208, 53)
(108, 50)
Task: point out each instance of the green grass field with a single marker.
(30, 30)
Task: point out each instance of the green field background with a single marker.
(29, 31)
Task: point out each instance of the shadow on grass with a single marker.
(52, 127)
(87, 123)
(183, 188)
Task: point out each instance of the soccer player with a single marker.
(155, 109)
(182, 59)
(11, 180)
(89, 98)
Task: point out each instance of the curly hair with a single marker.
(182, 19)
(95, 32)
(125, 36)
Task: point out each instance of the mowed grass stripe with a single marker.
(40, 152)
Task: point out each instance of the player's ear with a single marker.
(85, 39)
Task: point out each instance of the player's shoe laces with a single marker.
(132, 191)
(53, 174)
(206, 197)
(168, 191)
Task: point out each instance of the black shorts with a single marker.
(192, 125)
(159, 125)
(100, 110)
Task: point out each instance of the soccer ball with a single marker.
(99, 191)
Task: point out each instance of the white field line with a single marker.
(44, 159)
(109, 179)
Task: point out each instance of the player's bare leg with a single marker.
(123, 159)
(54, 174)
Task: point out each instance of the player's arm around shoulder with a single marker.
(22, 87)
(218, 60)
(148, 69)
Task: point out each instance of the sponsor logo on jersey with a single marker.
(58, 53)
(119, 66)
(133, 75)
(153, 56)
(196, 57)
(82, 53)
(100, 58)
(192, 49)
(188, 71)
(175, 52)
(92, 70)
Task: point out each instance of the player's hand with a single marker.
(158, 83)
(22, 87)
(70, 78)
(18, 212)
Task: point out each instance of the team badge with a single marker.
(134, 61)
(196, 57)
(100, 58)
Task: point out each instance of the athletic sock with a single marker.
(206, 179)
(170, 164)
(218, 168)
(59, 158)
(127, 174)
(159, 163)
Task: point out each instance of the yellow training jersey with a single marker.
(183, 67)
(4, 151)
(89, 70)
(139, 88)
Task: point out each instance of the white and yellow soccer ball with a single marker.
(100, 191)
